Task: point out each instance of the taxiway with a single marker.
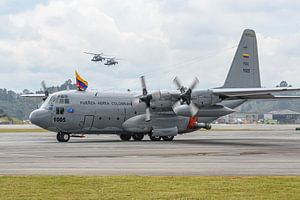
(253, 150)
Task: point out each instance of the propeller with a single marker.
(185, 97)
(45, 90)
(146, 98)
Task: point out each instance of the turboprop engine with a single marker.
(184, 106)
(189, 102)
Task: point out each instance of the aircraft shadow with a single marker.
(215, 142)
(231, 142)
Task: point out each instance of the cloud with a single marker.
(158, 39)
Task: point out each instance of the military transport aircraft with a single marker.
(160, 115)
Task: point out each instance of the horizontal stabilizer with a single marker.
(253, 93)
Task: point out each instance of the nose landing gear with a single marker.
(63, 137)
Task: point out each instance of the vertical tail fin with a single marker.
(244, 70)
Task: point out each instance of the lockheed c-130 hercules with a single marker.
(161, 115)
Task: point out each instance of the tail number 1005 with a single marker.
(59, 119)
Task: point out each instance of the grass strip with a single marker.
(149, 187)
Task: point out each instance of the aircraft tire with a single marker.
(125, 137)
(58, 137)
(207, 126)
(138, 137)
(168, 138)
(154, 138)
(63, 137)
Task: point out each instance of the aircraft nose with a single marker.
(40, 118)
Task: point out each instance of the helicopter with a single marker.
(100, 57)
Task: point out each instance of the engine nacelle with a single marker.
(137, 124)
(183, 110)
(208, 111)
(205, 98)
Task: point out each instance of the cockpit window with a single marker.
(48, 104)
(63, 99)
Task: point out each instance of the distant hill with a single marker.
(266, 106)
(263, 106)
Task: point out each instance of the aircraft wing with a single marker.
(33, 95)
(254, 93)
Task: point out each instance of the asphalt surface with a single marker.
(265, 151)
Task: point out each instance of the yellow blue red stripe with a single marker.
(246, 55)
(80, 82)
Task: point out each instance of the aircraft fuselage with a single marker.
(78, 112)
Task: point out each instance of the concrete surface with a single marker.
(270, 151)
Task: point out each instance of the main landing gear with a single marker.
(63, 137)
(158, 138)
(140, 137)
(125, 137)
(136, 137)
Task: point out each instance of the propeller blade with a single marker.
(44, 86)
(148, 115)
(194, 83)
(194, 109)
(178, 84)
(45, 90)
(144, 85)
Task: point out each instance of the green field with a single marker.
(148, 187)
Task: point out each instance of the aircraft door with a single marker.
(88, 122)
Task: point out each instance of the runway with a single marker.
(268, 151)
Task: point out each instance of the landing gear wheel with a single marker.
(63, 137)
(154, 138)
(125, 137)
(207, 126)
(58, 137)
(138, 137)
(168, 138)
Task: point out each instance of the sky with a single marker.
(160, 39)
